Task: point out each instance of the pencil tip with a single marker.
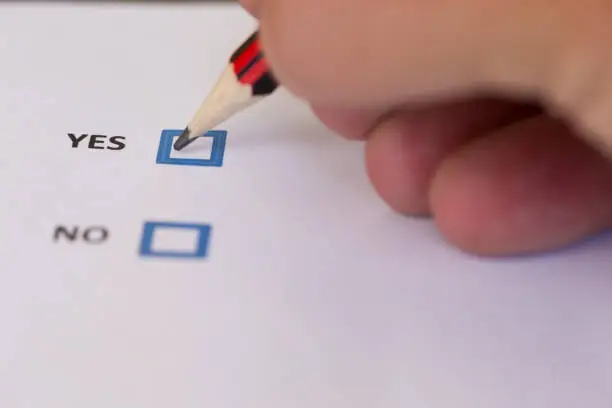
(183, 140)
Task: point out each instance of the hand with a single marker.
(494, 117)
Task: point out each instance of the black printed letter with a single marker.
(75, 140)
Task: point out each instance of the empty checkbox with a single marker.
(207, 150)
(199, 149)
(174, 240)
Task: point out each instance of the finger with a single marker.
(355, 52)
(375, 54)
(529, 187)
(404, 149)
(357, 124)
(352, 124)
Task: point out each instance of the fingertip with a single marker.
(405, 147)
(528, 188)
(456, 216)
(397, 175)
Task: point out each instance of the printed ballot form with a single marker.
(255, 268)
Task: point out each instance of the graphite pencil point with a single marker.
(184, 139)
(244, 81)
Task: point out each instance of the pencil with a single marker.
(246, 80)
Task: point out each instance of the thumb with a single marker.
(381, 53)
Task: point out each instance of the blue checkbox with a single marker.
(174, 240)
(165, 150)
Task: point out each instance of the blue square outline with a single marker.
(149, 227)
(216, 155)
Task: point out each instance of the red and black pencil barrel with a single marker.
(251, 68)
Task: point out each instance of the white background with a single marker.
(314, 294)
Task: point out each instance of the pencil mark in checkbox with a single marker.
(175, 240)
(207, 150)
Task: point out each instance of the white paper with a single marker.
(311, 292)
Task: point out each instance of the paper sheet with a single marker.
(292, 285)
